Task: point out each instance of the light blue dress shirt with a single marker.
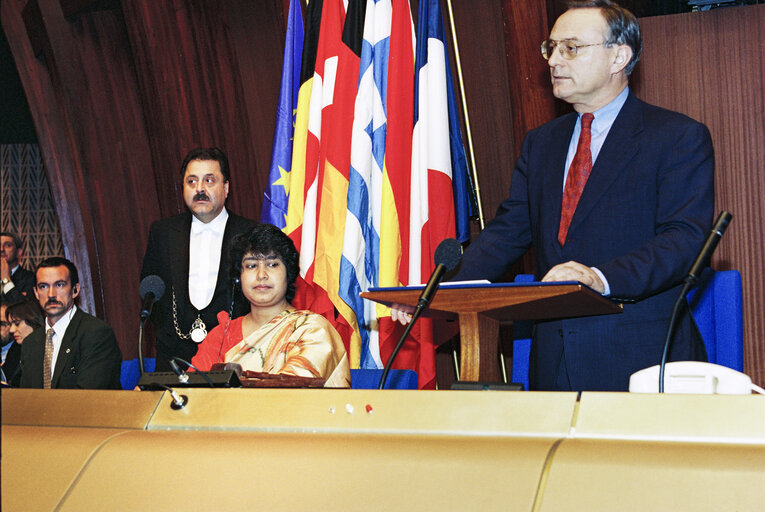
(601, 125)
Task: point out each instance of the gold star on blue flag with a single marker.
(275, 196)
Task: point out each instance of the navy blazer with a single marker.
(167, 256)
(89, 357)
(642, 217)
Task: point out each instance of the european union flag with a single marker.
(275, 196)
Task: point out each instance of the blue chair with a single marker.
(370, 379)
(130, 373)
(716, 305)
(522, 342)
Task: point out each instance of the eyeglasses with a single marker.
(568, 49)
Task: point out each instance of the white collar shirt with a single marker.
(205, 246)
(59, 329)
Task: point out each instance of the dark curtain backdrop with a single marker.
(120, 91)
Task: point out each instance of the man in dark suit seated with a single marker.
(73, 349)
(17, 282)
(188, 252)
(618, 195)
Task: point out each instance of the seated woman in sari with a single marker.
(274, 337)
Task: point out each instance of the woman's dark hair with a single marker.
(265, 241)
(28, 311)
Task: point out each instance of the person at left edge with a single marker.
(17, 282)
(20, 319)
(188, 252)
(10, 351)
(85, 351)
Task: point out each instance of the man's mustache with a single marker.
(53, 302)
(201, 196)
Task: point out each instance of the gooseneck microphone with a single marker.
(702, 259)
(151, 290)
(699, 264)
(447, 256)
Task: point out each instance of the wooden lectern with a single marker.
(480, 309)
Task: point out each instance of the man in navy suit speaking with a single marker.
(618, 195)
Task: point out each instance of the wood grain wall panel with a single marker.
(487, 80)
(710, 66)
(531, 91)
(533, 103)
(201, 76)
(258, 38)
(114, 146)
(507, 85)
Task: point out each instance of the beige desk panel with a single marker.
(593, 475)
(195, 470)
(424, 412)
(695, 418)
(78, 408)
(39, 464)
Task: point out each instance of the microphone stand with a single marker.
(144, 316)
(446, 257)
(398, 346)
(140, 346)
(668, 339)
(701, 261)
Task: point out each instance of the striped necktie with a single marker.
(48, 357)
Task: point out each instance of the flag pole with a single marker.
(466, 115)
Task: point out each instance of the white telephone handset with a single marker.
(693, 377)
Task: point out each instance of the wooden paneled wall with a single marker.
(121, 90)
(710, 66)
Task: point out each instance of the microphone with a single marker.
(701, 261)
(447, 256)
(183, 377)
(151, 289)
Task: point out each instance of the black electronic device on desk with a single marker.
(211, 379)
(221, 376)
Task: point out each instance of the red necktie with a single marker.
(577, 177)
